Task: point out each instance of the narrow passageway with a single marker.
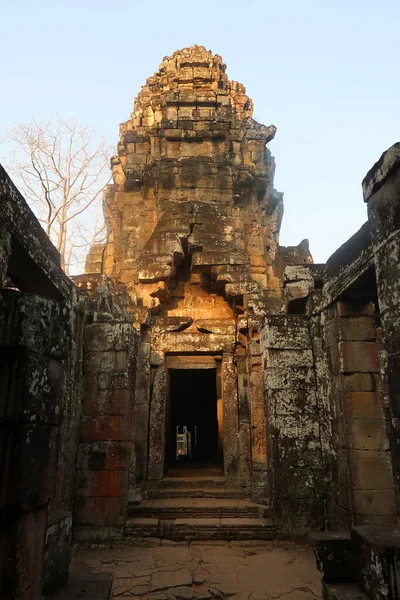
(203, 571)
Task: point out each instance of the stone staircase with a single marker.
(197, 508)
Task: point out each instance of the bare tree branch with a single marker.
(62, 169)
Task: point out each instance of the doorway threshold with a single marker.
(195, 471)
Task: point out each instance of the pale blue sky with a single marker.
(326, 73)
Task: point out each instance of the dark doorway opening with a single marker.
(192, 435)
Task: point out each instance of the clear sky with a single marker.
(325, 72)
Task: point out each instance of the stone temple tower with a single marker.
(193, 222)
(193, 180)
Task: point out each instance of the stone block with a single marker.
(290, 378)
(38, 324)
(101, 484)
(346, 308)
(106, 427)
(295, 483)
(24, 572)
(283, 359)
(285, 332)
(376, 559)
(359, 357)
(297, 426)
(333, 553)
(106, 401)
(375, 502)
(30, 466)
(382, 170)
(104, 456)
(100, 511)
(57, 554)
(98, 534)
(369, 434)
(99, 362)
(106, 362)
(298, 289)
(301, 516)
(372, 470)
(360, 382)
(101, 337)
(142, 423)
(34, 387)
(290, 401)
(357, 329)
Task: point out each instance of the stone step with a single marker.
(343, 591)
(209, 481)
(191, 529)
(175, 508)
(194, 487)
(154, 493)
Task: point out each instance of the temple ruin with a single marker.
(200, 381)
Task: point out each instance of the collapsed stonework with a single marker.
(197, 369)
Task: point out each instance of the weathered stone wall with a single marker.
(107, 422)
(340, 304)
(39, 403)
(295, 453)
(363, 473)
(381, 189)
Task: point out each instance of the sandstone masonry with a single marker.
(199, 381)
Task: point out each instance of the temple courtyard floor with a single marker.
(162, 570)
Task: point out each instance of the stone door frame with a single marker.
(226, 393)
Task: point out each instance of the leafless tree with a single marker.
(61, 169)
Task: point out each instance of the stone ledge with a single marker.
(388, 163)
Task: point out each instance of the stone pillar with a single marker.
(106, 436)
(295, 457)
(381, 188)
(142, 404)
(258, 420)
(158, 405)
(230, 415)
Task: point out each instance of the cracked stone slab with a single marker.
(122, 587)
(215, 572)
(204, 595)
(181, 593)
(169, 579)
(158, 596)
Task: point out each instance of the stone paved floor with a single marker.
(206, 571)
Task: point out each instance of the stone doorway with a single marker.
(192, 443)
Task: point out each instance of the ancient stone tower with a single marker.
(193, 223)
(193, 197)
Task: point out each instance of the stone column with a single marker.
(230, 415)
(295, 456)
(158, 404)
